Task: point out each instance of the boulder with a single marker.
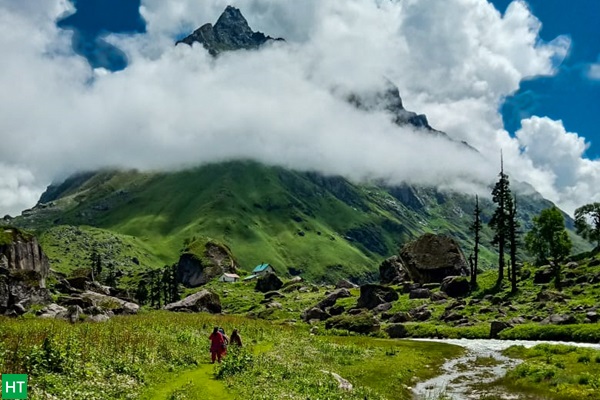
(109, 303)
(372, 295)
(336, 310)
(558, 319)
(498, 326)
(392, 272)
(21, 287)
(202, 301)
(268, 283)
(209, 260)
(438, 296)
(592, 316)
(275, 305)
(98, 318)
(419, 294)
(362, 323)
(382, 308)
(73, 314)
(345, 284)
(547, 296)
(294, 281)
(330, 300)
(420, 313)
(456, 286)
(315, 313)
(431, 258)
(396, 331)
(401, 317)
(517, 321)
(271, 295)
(543, 275)
(52, 311)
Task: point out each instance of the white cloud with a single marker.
(176, 106)
(594, 72)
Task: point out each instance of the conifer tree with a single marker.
(513, 226)
(499, 222)
(476, 229)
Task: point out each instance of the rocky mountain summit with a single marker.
(231, 32)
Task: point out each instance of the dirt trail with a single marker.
(483, 363)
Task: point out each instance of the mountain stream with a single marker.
(482, 363)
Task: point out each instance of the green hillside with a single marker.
(302, 223)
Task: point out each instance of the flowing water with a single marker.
(482, 363)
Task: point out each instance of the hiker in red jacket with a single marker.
(218, 345)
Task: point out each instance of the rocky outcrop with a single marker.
(203, 301)
(23, 271)
(431, 258)
(391, 272)
(231, 32)
(209, 260)
(22, 252)
(373, 295)
(456, 286)
(268, 283)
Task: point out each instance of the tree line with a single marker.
(548, 240)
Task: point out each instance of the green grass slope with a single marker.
(321, 227)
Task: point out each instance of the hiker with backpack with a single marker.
(218, 344)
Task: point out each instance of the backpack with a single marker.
(225, 338)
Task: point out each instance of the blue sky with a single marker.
(569, 96)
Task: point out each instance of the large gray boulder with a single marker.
(431, 258)
(559, 319)
(208, 261)
(498, 326)
(109, 303)
(372, 295)
(392, 272)
(203, 301)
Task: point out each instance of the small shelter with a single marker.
(229, 278)
(263, 269)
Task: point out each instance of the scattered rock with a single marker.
(52, 311)
(202, 301)
(419, 294)
(330, 300)
(497, 327)
(372, 295)
(547, 296)
(268, 283)
(438, 296)
(456, 286)
(382, 308)
(396, 331)
(294, 281)
(315, 313)
(336, 310)
(392, 272)
(592, 316)
(400, 317)
(98, 318)
(543, 275)
(420, 313)
(345, 284)
(343, 384)
(270, 295)
(362, 323)
(517, 321)
(356, 311)
(558, 319)
(274, 305)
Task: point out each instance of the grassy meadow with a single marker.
(160, 355)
